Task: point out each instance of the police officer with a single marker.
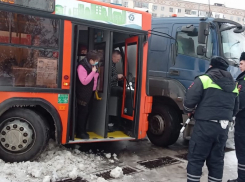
(240, 124)
(214, 98)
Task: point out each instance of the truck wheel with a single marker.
(164, 126)
(23, 135)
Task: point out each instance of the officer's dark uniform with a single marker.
(240, 127)
(214, 96)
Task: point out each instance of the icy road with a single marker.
(134, 161)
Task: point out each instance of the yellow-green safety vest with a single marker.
(208, 83)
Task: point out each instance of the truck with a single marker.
(180, 48)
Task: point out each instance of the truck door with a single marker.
(187, 64)
(130, 83)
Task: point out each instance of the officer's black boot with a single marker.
(232, 180)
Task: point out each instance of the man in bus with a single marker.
(115, 77)
(214, 98)
(240, 123)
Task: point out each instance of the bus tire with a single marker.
(164, 126)
(24, 135)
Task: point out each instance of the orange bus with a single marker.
(41, 43)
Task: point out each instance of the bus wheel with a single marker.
(23, 135)
(164, 126)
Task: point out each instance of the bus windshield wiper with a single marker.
(238, 42)
(232, 59)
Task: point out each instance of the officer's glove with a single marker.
(233, 123)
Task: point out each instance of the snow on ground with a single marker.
(55, 163)
(116, 173)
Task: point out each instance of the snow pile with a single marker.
(101, 180)
(47, 179)
(115, 157)
(108, 156)
(56, 163)
(117, 172)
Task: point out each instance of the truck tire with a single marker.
(164, 126)
(23, 135)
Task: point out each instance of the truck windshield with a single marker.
(233, 44)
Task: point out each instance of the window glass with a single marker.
(32, 66)
(159, 42)
(154, 15)
(4, 27)
(141, 4)
(23, 67)
(233, 44)
(45, 5)
(187, 45)
(154, 8)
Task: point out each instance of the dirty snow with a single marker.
(116, 173)
(115, 157)
(101, 180)
(108, 156)
(55, 163)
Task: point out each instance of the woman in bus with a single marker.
(87, 77)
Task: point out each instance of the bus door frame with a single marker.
(128, 41)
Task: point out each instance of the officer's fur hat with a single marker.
(219, 62)
(242, 58)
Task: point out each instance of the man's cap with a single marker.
(242, 58)
(219, 62)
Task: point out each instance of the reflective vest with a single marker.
(208, 83)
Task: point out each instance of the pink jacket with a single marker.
(85, 79)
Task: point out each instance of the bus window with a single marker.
(32, 65)
(47, 5)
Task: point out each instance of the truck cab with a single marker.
(179, 50)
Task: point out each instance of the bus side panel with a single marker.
(146, 24)
(67, 54)
(52, 98)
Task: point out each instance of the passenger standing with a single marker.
(214, 95)
(240, 124)
(115, 77)
(86, 84)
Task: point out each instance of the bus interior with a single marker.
(114, 105)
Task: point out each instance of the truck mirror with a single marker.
(190, 30)
(187, 28)
(239, 29)
(201, 50)
(203, 32)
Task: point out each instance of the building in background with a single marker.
(166, 8)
